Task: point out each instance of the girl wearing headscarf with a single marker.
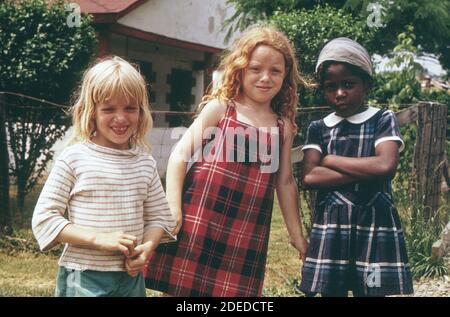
(351, 155)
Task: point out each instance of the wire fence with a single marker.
(30, 122)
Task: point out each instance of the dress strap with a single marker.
(231, 113)
(231, 110)
(280, 124)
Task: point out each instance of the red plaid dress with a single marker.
(227, 210)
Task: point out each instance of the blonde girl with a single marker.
(108, 183)
(224, 204)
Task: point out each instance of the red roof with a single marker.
(107, 11)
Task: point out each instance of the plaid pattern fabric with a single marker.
(227, 208)
(356, 241)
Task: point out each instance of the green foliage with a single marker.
(32, 130)
(430, 20)
(396, 88)
(401, 86)
(40, 54)
(310, 30)
(419, 241)
(401, 184)
(249, 12)
(438, 95)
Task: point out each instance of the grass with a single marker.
(27, 274)
(419, 241)
(283, 263)
(24, 271)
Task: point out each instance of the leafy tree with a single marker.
(310, 30)
(400, 86)
(430, 20)
(41, 56)
(33, 127)
(249, 12)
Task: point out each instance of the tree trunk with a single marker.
(21, 184)
(5, 213)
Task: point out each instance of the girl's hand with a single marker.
(301, 245)
(136, 262)
(178, 219)
(116, 241)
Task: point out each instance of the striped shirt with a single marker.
(104, 190)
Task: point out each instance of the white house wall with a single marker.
(196, 21)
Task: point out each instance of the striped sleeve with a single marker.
(156, 210)
(48, 216)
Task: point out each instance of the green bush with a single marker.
(43, 56)
(310, 30)
(40, 54)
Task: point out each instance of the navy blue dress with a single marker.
(356, 241)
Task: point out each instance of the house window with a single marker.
(146, 70)
(180, 97)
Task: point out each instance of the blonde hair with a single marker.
(237, 58)
(110, 78)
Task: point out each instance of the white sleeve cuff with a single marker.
(312, 146)
(48, 242)
(168, 237)
(391, 138)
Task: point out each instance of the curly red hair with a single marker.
(237, 58)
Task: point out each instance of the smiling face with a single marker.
(344, 91)
(116, 121)
(263, 77)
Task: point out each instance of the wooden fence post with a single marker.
(429, 156)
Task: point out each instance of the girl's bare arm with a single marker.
(192, 139)
(315, 176)
(287, 194)
(382, 165)
(108, 241)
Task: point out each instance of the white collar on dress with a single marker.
(333, 119)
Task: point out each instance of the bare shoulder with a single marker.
(214, 109)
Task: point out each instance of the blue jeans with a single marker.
(75, 283)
